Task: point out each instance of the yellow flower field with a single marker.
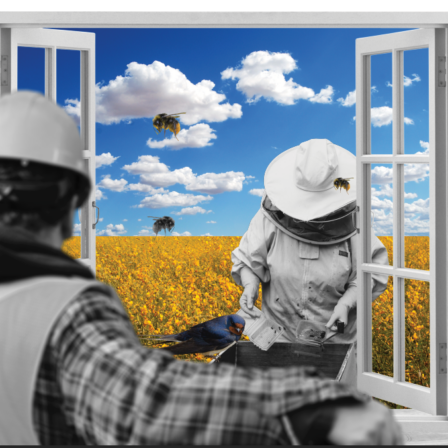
(168, 284)
(416, 317)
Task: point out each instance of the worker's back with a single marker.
(28, 310)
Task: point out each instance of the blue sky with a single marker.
(248, 94)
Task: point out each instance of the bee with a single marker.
(165, 121)
(162, 223)
(341, 183)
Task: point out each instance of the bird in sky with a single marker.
(208, 338)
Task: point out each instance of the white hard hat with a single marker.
(35, 129)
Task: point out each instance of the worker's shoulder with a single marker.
(262, 218)
(93, 288)
(95, 296)
(94, 293)
(73, 283)
(72, 288)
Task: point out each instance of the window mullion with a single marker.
(50, 73)
(398, 214)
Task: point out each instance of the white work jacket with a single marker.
(302, 280)
(28, 310)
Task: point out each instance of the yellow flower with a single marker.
(170, 284)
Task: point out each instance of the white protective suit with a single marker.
(302, 280)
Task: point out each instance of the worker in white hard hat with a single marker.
(72, 370)
(301, 244)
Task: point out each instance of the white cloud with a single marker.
(325, 96)
(76, 229)
(211, 222)
(419, 210)
(138, 219)
(382, 222)
(191, 211)
(153, 173)
(172, 199)
(148, 90)
(416, 215)
(382, 116)
(385, 190)
(416, 172)
(248, 179)
(417, 225)
(113, 230)
(124, 219)
(418, 206)
(381, 175)
(143, 188)
(99, 194)
(145, 232)
(413, 172)
(380, 215)
(73, 108)
(113, 184)
(197, 136)
(384, 204)
(146, 165)
(100, 219)
(213, 183)
(181, 234)
(257, 192)
(262, 75)
(349, 100)
(407, 81)
(206, 234)
(424, 145)
(180, 176)
(422, 202)
(105, 159)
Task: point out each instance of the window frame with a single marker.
(51, 40)
(431, 400)
(69, 20)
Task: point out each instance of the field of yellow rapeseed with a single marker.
(168, 284)
(417, 356)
